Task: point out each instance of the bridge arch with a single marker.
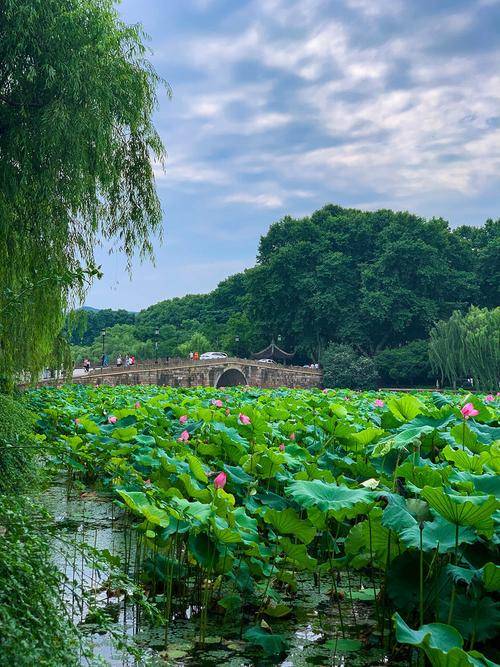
(231, 377)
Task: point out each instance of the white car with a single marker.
(213, 355)
(266, 361)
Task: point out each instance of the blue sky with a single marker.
(281, 106)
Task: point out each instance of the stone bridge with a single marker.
(227, 372)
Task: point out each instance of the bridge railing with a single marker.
(182, 362)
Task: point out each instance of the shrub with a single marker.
(343, 367)
(408, 365)
(17, 469)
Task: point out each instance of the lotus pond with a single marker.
(292, 527)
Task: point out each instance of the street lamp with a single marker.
(157, 333)
(103, 334)
(279, 338)
(237, 341)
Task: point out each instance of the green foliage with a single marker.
(94, 321)
(407, 365)
(17, 469)
(35, 629)
(197, 343)
(369, 279)
(76, 149)
(343, 367)
(441, 643)
(468, 345)
(119, 340)
(372, 486)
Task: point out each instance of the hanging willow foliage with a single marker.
(468, 345)
(77, 147)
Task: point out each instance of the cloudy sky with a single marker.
(281, 106)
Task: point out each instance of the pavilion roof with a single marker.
(274, 352)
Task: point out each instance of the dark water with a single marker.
(312, 632)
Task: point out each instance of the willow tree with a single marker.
(468, 345)
(77, 148)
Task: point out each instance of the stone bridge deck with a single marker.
(214, 373)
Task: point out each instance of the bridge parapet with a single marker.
(190, 373)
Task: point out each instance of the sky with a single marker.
(281, 106)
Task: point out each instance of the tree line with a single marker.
(375, 281)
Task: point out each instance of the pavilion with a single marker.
(273, 352)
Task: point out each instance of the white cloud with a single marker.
(260, 200)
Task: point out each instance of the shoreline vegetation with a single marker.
(247, 502)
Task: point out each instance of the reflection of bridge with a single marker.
(215, 373)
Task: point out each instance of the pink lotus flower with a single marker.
(489, 398)
(292, 436)
(183, 419)
(378, 403)
(217, 402)
(184, 436)
(220, 480)
(244, 419)
(137, 405)
(469, 411)
(282, 447)
(112, 419)
(325, 391)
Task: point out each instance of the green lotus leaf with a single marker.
(139, 503)
(192, 510)
(464, 461)
(437, 534)
(270, 643)
(277, 611)
(298, 553)
(343, 645)
(474, 511)
(491, 577)
(405, 407)
(195, 490)
(485, 483)
(125, 434)
(145, 440)
(340, 500)
(196, 468)
(368, 542)
(287, 522)
(441, 643)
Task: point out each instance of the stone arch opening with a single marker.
(232, 377)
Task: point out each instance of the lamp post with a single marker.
(103, 334)
(237, 341)
(157, 333)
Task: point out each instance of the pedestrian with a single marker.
(191, 355)
(86, 365)
(106, 360)
(119, 361)
(132, 360)
(103, 360)
(127, 360)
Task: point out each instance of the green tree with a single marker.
(76, 149)
(344, 367)
(407, 365)
(370, 279)
(468, 345)
(197, 343)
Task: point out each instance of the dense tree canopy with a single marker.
(76, 150)
(468, 345)
(370, 279)
(377, 281)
